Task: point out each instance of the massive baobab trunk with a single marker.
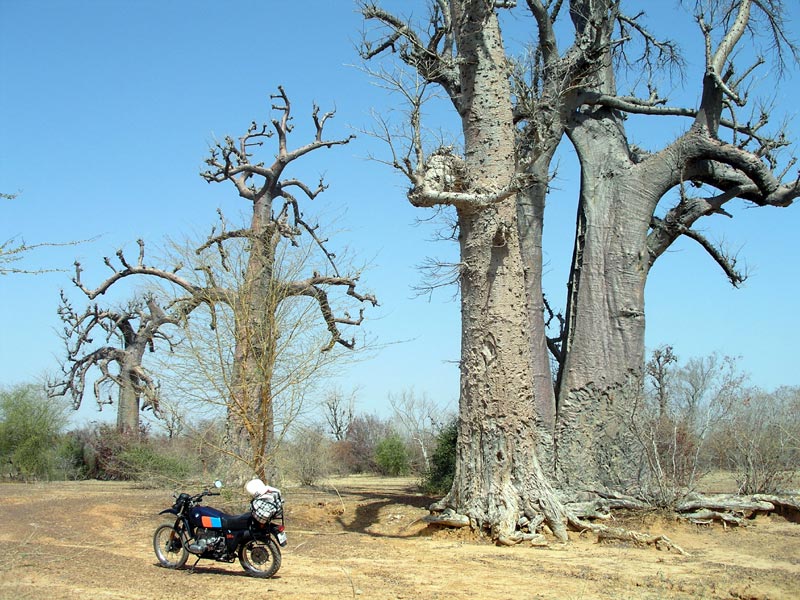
(498, 475)
(545, 101)
(530, 215)
(618, 238)
(601, 376)
(506, 423)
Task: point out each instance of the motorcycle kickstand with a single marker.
(191, 569)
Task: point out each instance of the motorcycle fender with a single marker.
(168, 510)
(276, 533)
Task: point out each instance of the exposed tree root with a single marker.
(535, 539)
(661, 542)
(706, 517)
(787, 506)
(599, 505)
(735, 510)
(746, 505)
(730, 510)
(447, 518)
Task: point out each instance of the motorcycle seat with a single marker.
(235, 521)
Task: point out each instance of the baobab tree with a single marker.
(129, 332)
(498, 475)
(254, 293)
(125, 335)
(619, 236)
(600, 352)
(276, 216)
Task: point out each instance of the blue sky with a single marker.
(107, 110)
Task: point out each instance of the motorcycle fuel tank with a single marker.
(205, 516)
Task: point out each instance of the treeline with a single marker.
(695, 417)
(36, 445)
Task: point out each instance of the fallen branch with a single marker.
(705, 517)
(661, 542)
(723, 502)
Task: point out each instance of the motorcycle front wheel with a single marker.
(260, 558)
(169, 547)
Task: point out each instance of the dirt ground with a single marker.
(363, 538)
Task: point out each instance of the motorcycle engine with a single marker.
(207, 540)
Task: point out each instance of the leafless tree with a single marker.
(256, 298)
(689, 404)
(500, 477)
(658, 368)
(339, 412)
(577, 429)
(128, 331)
(202, 369)
(125, 335)
(759, 441)
(276, 216)
(621, 188)
(418, 418)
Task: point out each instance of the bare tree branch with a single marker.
(433, 60)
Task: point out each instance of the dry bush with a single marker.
(683, 406)
(308, 456)
(760, 441)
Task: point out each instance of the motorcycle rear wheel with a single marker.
(260, 558)
(169, 547)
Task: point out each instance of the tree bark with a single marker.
(252, 418)
(498, 475)
(127, 404)
(600, 379)
(530, 214)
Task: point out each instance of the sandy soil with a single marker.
(363, 537)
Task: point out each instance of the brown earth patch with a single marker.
(363, 537)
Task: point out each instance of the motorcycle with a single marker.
(255, 537)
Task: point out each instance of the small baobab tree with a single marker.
(112, 343)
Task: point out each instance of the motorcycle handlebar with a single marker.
(197, 497)
(205, 493)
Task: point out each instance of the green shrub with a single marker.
(110, 455)
(391, 456)
(69, 457)
(144, 461)
(439, 478)
(31, 426)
